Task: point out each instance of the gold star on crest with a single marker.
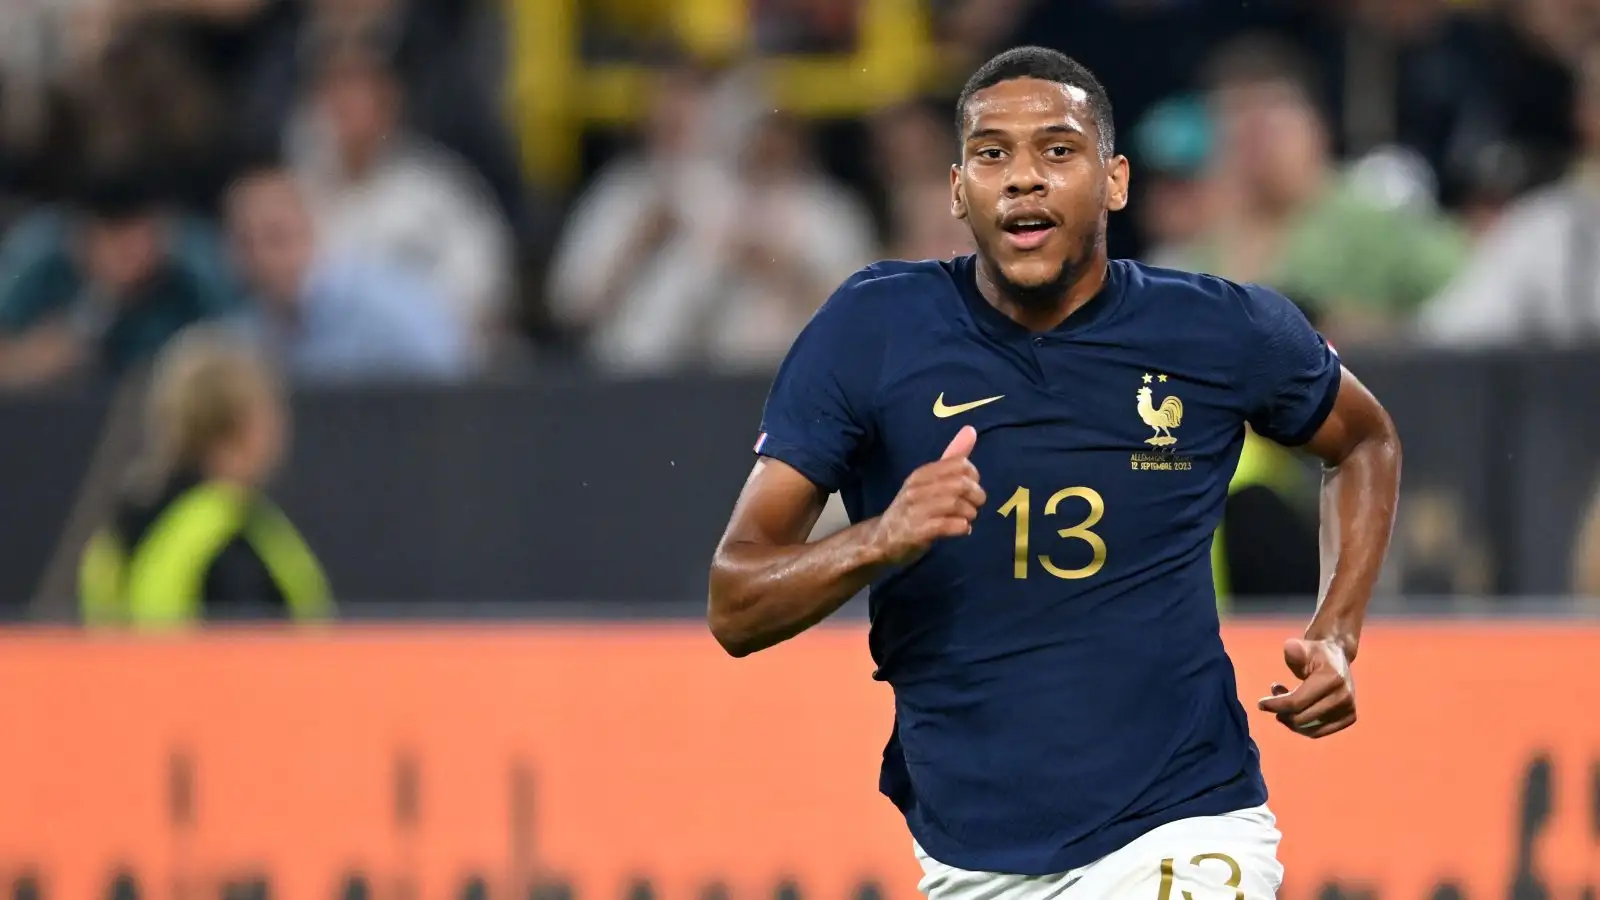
(1147, 378)
(1161, 378)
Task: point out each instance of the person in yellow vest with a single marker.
(194, 538)
(1265, 546)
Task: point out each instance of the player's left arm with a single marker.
(1360, 487)
(1360, 452)
(1308, 399)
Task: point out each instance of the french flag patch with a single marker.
(761, 442)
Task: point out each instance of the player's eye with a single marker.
(1059, 151)
(990, 153)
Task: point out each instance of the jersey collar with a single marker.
(998, 324)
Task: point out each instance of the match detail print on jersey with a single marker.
(944, 412)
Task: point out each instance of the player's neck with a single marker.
(1045, 312)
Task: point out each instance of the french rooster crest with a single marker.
(1163, 417)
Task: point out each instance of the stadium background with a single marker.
(627, 205)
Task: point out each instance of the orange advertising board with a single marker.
(601, 762)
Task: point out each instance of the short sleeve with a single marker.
(1292, 373)
(818, 415)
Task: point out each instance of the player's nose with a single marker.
(1025, 177)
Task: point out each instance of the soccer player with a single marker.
(1034, 445)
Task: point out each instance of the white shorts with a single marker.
(1228, 857)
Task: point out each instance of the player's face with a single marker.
(1033, 186)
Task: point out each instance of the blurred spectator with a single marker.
(625, 29)
(1437, 549)
(678, 256)
(1395, 177)
(99, 81)
(1565, 30)
(331, 314)
(806, 26)
(1287, 217)
(792, 236)
(42, 43)
(1536, 278)
(1414, 76)
(147, 99)
(194, 537)
(40, 39)
(382, 192)
(1498, 174)
(922, 225)
(450, 60)
(1474, 88)
(913, 148)
(970, 30)
(1173, 146)
(106, 283)
(620, 273)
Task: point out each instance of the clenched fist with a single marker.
(1325, 700)
(938, 500)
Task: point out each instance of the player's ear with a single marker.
(958, 199)
(1117, 183)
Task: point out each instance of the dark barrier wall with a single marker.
(568, 488)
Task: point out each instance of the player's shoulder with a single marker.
(895, 281)
(1194, 295)
(1181, 286)
(888, 292)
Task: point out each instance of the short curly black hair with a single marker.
(1046, 65)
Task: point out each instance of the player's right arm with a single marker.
(768, 584)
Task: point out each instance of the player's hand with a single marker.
(1325, 701)
(938, 500)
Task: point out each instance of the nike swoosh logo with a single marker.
(945, 412)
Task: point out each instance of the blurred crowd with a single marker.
(335, 177)
(341, 179)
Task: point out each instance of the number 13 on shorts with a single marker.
(1234, 875)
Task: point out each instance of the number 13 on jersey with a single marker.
(1018, 508)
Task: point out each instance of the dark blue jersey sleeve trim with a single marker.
(826, 477)
(1330, 395)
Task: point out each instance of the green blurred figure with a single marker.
(1368, 244)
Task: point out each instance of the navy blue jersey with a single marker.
(1059, 678)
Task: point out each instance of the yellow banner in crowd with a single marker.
(607, 762)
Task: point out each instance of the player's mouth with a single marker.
(1027, 231)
